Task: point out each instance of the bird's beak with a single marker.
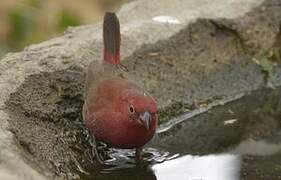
(145, 119)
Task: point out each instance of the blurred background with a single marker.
(24, 22)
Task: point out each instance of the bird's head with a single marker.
(140, 109)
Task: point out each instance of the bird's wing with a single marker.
(93, 75)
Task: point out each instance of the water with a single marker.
(163, 166)
(211, 167)
(237, 140)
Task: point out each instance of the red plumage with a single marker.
(116, 110)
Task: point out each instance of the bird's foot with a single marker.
(97, 156)
(94, 145)
(139, 154)
(123, 67)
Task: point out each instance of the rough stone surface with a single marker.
(210, 49)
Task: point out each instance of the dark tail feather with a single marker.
(111, 38)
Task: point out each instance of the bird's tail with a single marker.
(111, 38)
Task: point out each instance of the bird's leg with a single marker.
(95, 151)
(123, 67)
(139, 153)
(94, 146)
(103, 149)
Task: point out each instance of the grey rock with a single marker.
(181, 51)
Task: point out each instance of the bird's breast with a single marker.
(124, 135)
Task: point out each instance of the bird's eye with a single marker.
(131, 109)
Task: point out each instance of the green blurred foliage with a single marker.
(31, 21)
(67, 19)
(3, 49)
(35, 3)
(22, 23)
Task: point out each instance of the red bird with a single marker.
(116, 110)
